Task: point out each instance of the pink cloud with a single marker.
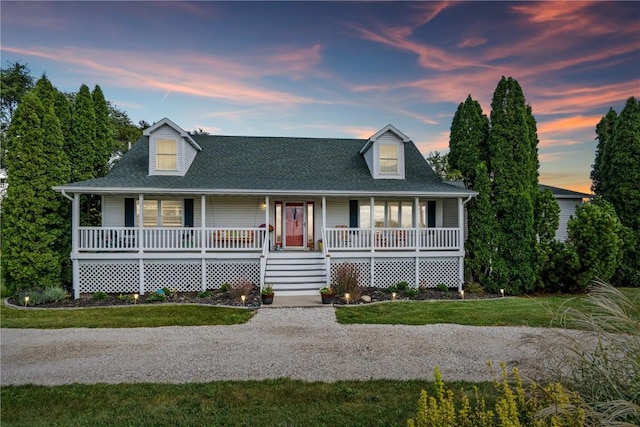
(472, 42)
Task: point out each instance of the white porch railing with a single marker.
(391, 239)
(170, 239)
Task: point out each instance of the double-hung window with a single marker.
(388, 158)
(161, 213)
(166, 155)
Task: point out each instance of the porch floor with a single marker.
(282, 301)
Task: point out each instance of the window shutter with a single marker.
(129, 212)
(353, 213)
(431, 213)
(188, 212)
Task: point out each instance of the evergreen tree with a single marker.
(480, 259)
(604, 133)
(63, 112)
(468, 139)
(31, 222)
(104, 143)
(594, 234)
(81, 146)
(622, 186)
(514, 169)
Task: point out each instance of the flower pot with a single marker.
(267, 299)
(327, 298)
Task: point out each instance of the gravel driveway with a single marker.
(300, 343)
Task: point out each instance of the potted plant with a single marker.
(267, 294)
(327, 295)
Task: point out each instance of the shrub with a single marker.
(411, 292)
(442, 287)
(99, 295)
(545, 406)
(128, 298)
(402, 286)
(41, 296)
(167, 291)
(473, 288)
(241, 287)
(225, 287)
(346, 281)
(390, 289)
(600, 363)
(157, 296)
(204, 294)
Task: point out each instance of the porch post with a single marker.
(75, 224)
(140, 242)
(460, 243)
(416, 238)
(266, 222)
(324, 215)
(372, 217)
(203, 241)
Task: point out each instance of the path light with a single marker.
(243, 297)
(462, 294)
(502, 292)
(393, 295)
(346, 297)
(135, 298)
(26, 300)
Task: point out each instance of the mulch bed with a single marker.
(253, 299)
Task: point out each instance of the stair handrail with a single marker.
(263, 258)
(327, 256)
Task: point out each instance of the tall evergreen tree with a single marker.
(104, 143)
(604, 134)
(514, 169)
(468, 139)
(81, 147)
(31, 222)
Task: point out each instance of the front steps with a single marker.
(296, 273)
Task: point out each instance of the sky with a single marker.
(343, 70)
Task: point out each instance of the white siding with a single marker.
(567, 209)
(450, 213)
(167, 132)
(338, 212)
(235, 211)
(189, 155)
(113, 211)
(388, 138)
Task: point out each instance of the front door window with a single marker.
(294, 216)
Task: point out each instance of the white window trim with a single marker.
(165, 155)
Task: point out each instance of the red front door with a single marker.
(294, 224)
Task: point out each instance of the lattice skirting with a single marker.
(390, 271)
(123, 276)
(232, 272)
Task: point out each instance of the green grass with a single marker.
(123, 317)
(281, 402)
(520, 311)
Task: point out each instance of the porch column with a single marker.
(324, 215)
(372, 217)
(75, 224)
(203, 241)
(460, 243)
(140, 221)
(416, 233)
(266, 222)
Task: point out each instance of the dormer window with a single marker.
(389, 158)
(167, 155)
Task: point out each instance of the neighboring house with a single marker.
(193, 212)
(568, 201)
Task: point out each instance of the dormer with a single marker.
(171, 149)
(384, 153)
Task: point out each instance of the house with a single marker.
(193, 212)
(568, 201)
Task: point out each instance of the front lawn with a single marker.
(281, 402)
(123, 317)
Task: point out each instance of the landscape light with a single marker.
(462, 294)
(135, 298)
(26, 300)
(502, 292)
(346, 297)
(243, 297)
(393, 295)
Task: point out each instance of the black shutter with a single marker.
(188, 212)
(431, 213)
(129, 212)
(353, 213)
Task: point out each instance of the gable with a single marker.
(384, 154)
(170, 151)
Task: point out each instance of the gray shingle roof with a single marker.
(564, 193)
(239, 164)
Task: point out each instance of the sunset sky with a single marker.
(337, 69)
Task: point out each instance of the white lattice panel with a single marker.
(363, 267)
(110, 276)
(183, 275)
(232, 271)
(390, 271)
(439, 270)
